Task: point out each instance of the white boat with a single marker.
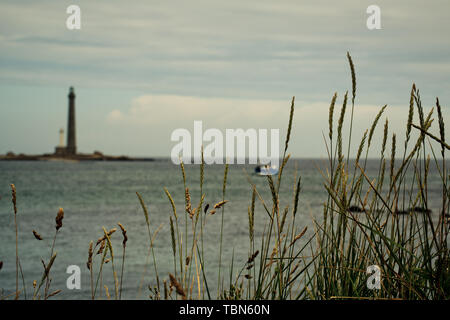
(266, 170)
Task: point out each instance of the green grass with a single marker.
(393, 228)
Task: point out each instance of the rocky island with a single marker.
(69, 152)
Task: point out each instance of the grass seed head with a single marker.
(102, 246)
(218, 205)
(37, 235)
(14, 197)
(188, 202)
(103, 238)
(90, 253)
(252, 257)
(59, 218)
(124, 234)
(179, 289)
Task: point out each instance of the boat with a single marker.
(266, 170)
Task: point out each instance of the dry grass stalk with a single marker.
(54, 293)
(14, 201)
(58, 220)
(340, 124)
(46, 271)
(425, 132)
(297, 237)
(224, 187)
(103, 238)
(251, 216)
(202, 171)
(124, 245)
(352, 69)
(272, 255)
(166, 290)
(393, 148)
(155, 233)
(107, 292)
(441, 126)
(110, 248)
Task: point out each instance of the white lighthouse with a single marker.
(61, 148)
(61, 137)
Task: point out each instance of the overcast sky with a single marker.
(144, 68)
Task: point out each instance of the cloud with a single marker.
(234, 49)
(175, 109)
(158, 115)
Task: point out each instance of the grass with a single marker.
(381, 219)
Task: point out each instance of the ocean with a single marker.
(96, 194)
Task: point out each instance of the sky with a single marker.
(142, 69)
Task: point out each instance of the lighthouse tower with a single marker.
(61, 138)
(71, 148)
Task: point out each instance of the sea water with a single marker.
(96, 194)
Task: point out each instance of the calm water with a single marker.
(96, 194)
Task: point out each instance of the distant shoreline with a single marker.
(76, 157)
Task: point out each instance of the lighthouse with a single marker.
(61, 138)
(71, 147)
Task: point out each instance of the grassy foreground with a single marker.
(382, 220)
